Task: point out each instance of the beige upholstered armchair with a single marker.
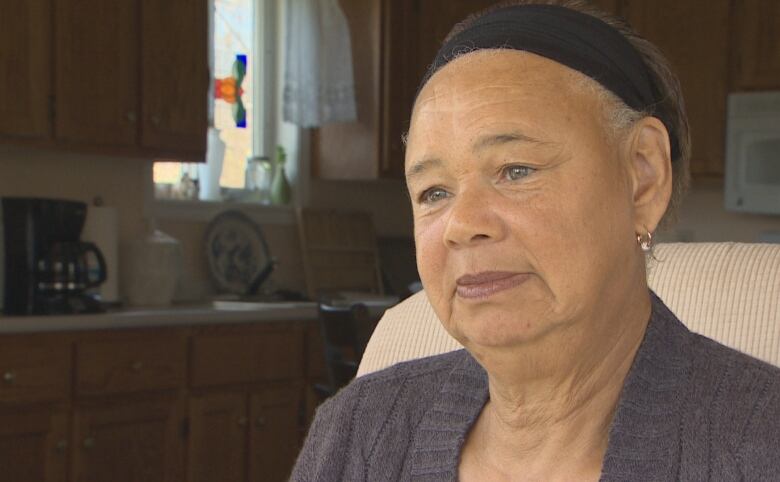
(729, 292)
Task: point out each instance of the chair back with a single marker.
(729, 292)
(345, 331)
(340, 252)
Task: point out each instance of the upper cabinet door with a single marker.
(175, 77)
(695, 38)
(757, 53)
(25, 57)
(97, 72)
(414, 31)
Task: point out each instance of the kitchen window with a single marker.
(242, 105)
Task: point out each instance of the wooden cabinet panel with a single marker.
(128, 443)
(274, 438)
(119, 432)
(217, 439)
(175, 75)
(34, 447)
(414, 32)
(97, 72)
(229, 359)
(610, 6)
(757, 42)
(25, 56)
(695, 39)
(121, 365)
(34, 369)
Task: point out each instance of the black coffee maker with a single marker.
(45, 269)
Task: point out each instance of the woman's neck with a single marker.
(551, 404)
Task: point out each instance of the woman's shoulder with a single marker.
(744, 406)
(373, 415)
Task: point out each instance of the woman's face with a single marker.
(523, 211)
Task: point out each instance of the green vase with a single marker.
(280, 187)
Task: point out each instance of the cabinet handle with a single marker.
(61, 445)
(131, 117)
(260, 422)
(9, 377)
(137, 366)
(156, 120)
(242, 421)
(89, 442)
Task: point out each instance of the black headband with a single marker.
(571, 38)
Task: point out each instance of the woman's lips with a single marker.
(485, 284)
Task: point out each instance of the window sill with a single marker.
(205, 211)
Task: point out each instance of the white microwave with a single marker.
(752, 181)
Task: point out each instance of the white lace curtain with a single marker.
(318, 83)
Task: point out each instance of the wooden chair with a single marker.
(339, 251)
(345, 332)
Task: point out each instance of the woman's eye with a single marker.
(513, 173)
(433, 195)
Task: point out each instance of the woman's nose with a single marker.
(472, 220)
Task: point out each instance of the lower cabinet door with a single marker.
(34, 447)
(275, 416)
(128, 442)
(218, 438)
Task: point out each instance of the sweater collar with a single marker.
(642, 439)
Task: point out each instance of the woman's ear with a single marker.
(651, 172)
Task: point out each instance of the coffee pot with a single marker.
(44, 267)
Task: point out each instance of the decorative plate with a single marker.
(236, 250)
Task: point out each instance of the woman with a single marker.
(545, 148)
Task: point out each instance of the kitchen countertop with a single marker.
(204, 314)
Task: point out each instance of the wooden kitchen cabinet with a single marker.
(274, 432)
(130, 362)
(175, 75)
(124, 78)
(34, 446)
(217, 447)
(128, 442)
(199, 403)
(34, 369)
(96, 74)
(757, 41)
(415, 29)
(249, 394)
(695, 39)
(25, 58)
(244, 436)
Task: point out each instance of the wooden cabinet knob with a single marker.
(131, 117)
(138, 366)
(9, 377)
(242, 421)
(260, 422)
(89, 442)
(156, 120)
(61, 445)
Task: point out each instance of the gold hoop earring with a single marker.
(645, 241)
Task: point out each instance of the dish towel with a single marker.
(319, 83)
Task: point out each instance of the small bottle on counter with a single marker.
(280, 188)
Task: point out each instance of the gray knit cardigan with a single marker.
(691, 409)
